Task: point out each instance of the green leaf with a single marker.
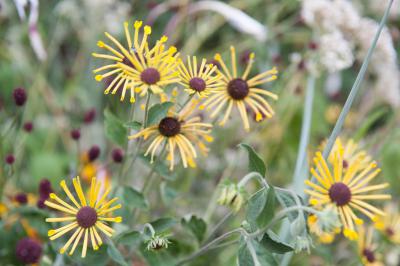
(272, 243)
(267, 213)
(261, 208)
(196, 225)
(264, 256)
(134, 198)
(133, 125)
(129, 238)
(157, 112)
(256, 164)
(114, 128)
(158, 258)
(115, 255)
(163, 224)
(160, 168)
(287, 200)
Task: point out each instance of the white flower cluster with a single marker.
(379, 7)
(344, 36)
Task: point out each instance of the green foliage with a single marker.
(261, 208)
(135, 125)
(264, 256)
(196, 225)
(256, 164)
(271, 242)
(133, 198)
(157, 112)
(115, 254)
(129, 238)
(114, 128)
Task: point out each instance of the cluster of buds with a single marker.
(231, 195)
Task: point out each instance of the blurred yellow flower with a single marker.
(178, 132)
(347, 190)
(351, 153)
(241, 92)
(138, 68)
(367, 248)
(389, 225)
(199, 80)
(86, 217)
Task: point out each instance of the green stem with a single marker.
(356, 86)
(140, 142)
(298, 178)
(243, 232)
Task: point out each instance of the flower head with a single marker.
(367, 248)
(157, 242)
(241, 92)
(389, 225)
(198, 80)
(178, 132)
(231, 195)
(20, 96)
(348, 190)
(137, 68)
(351, 153)
(86, 217)
(28, 251)
(303, 242)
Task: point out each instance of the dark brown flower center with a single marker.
(197, 84)
(389, 231)
(369, 255)
(150, 76)
(169, 127)
(86, 217)
(238, 89)
(340, 194)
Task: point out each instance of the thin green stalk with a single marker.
(243, 232)
(356, 86)
(186, 102)
(350, 99)
(298, 178)
(140, 142)
(124, 167)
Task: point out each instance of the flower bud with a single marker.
(28, 127)
(75, 134)
(93, 153)
(28, 251)
(157, 242)
(232, 196)
(20, 96)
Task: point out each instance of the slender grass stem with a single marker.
(298, 178)
(356, 86)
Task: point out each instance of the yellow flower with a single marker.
(351, 153)
(389, 225)
(3, 209)
(85, 217)
(178, 132)
(367, 248)
(241, 92)
(197, 79)
(347, 190)
(138, 68)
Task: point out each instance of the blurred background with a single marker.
(46, 46)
